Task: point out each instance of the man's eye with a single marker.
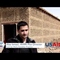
(25, 30)
(22, 30)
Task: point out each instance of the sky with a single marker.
(53, 10)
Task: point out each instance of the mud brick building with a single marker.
(43, 26)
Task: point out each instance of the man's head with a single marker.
(22, 28)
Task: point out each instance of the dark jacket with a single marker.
(17, 39)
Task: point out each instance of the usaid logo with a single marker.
(54, 44)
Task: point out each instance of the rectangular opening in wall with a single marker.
(9, 31)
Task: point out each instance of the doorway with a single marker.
(9, 31)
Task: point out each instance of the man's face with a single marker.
(23, 31)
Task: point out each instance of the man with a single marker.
(22, 37)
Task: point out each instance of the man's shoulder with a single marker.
(32, 40)
(12, 40)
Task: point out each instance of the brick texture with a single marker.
(42, 26)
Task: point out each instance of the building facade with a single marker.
(43, 26)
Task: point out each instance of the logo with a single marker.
(53, 45)
(1, 44)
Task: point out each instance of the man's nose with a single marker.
(24, 32)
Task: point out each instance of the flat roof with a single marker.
(43, 10)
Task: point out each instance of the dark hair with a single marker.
(21, 23)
